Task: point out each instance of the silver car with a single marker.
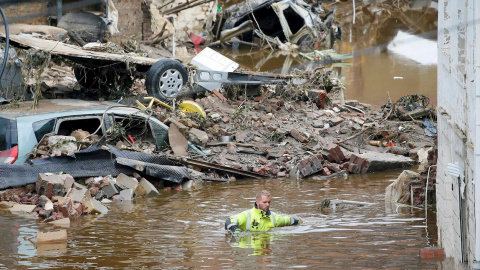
(21, 128)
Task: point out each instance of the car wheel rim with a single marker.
(171, 82)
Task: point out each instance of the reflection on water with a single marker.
(260, 243)
(180, 230)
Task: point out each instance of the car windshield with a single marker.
(8, 134)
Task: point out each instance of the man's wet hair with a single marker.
(262, 193)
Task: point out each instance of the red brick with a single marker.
(334, 155)
(352, 168)
(259, 169)
(359, 161)
(326, 171)
(340, 153)
(298, 136)
(435, 254)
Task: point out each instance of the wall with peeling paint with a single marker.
(196, 19)
(459, 130)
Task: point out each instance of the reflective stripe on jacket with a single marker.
(256, 220)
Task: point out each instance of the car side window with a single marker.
(89, 123)
(140, 131)
(40, 128)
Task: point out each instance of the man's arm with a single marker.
(285, 220)
(236, 223)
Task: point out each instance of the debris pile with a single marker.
(58, 196)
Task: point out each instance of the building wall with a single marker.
(28, 13)
(458, 125)
(134, 18)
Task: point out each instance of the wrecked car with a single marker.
(20, 132)
(278, 21)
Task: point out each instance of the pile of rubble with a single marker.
(55, 197)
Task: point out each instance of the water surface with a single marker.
(184, 230)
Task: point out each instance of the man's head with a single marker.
(263, 200)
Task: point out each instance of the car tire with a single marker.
(165, 79)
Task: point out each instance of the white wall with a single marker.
(458, 124)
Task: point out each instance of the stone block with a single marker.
(125, 195)
(54, 236)
(110, 189)
(95, 207)
(22, 208)
(127, 181)
(150, 189)
(78, 193)
(63, 222)
(375, 162)
(197, 136)
(139, 191)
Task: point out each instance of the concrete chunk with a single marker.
(197, 136)
(79, 193)
(55, 236)
(127, 181)
(150, 189)
(125, 195)
(22, 208)
(61, 144)
(95, 207)
(140, 191)
(375, 162)
(64, 222)
(110, 189)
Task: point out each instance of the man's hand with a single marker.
(237, 232)
(296, 221)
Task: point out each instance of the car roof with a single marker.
(60, 107)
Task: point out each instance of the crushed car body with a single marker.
(280, 21)
(76, 136)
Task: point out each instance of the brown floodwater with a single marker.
(184, 230)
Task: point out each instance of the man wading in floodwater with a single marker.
(259, 218)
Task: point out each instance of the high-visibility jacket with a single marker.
(256, 220)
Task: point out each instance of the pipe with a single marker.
(59, 10)
(7, 43)
(476, 183)
(462, 224)
(426, 202)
